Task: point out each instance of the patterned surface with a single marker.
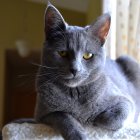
(42, 132)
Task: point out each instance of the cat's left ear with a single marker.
(54, 21)
(100, 27)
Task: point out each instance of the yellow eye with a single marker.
(63, 53)
(87, 56)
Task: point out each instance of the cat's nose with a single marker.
(73, 71)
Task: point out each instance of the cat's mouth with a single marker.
(70, 78)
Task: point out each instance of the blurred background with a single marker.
(22, 36)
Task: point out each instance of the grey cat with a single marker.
(78, 85)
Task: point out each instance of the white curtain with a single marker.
(124, 35)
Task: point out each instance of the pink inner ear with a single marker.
(104, 30)
(50, 16)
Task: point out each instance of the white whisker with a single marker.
(44, 66)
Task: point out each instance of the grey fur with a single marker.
(100, 93)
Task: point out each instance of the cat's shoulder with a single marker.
(126, 61)
(129, 65)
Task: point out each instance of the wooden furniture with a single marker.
(20, 91)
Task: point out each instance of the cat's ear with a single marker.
(53, 21)
(100, 27)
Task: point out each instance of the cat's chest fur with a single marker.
(84, 102)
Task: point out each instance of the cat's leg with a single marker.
(68, 126)
(114, 117)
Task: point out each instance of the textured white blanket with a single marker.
(41, 132)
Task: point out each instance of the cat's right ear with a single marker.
(100, 27)
(54, 21)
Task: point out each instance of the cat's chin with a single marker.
(72, 83)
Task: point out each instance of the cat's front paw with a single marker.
(111, 119)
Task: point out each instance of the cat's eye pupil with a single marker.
(62, 53)
(87, 56)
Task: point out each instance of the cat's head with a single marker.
(73, 55)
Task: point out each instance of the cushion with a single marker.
(28, 131)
